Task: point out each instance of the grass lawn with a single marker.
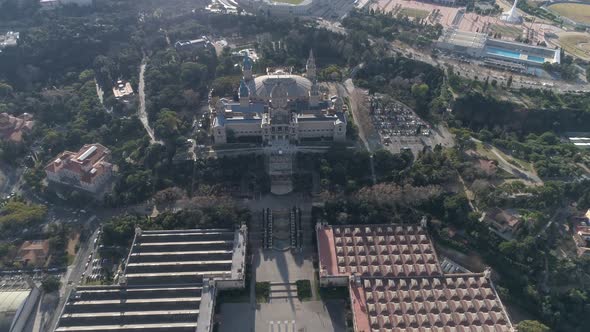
(303, 290)
(579, 12)
(262, 292)
(413, 12)
(506, 31)
(293, 2)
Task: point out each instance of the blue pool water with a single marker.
(536, 58)
(502, 52)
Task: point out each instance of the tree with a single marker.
(420, 91)
(532, 326)
(51, 284)
(193, 74)
(166, 126)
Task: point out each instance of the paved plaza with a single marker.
(282, 268)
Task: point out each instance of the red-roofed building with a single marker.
(88, 169)
(374, 250)
(12, 128)
(33, 253)
(396, 282)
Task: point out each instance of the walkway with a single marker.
(141, 112)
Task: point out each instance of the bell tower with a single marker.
(244, 94)
(247, 68)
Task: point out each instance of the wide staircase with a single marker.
(280, 291)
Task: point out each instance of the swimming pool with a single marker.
(504, 53)
(537, 59)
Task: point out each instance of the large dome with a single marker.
(296, 86)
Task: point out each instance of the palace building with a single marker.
(279, 108)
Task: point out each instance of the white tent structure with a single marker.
(512, 15)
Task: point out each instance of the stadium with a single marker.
(479, 45)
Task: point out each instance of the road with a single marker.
(72, 277)
(141, 113)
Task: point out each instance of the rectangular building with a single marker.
(396, 283)
(169, 284)
(479, 45)
(187, 256)
(88, 169)
(374, 250)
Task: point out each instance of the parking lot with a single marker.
(399, 127)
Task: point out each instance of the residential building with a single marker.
(33, 253)
(88, 169)
(12, 127)
(505, 222)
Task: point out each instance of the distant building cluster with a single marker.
(88, 169)
(12, 127)
(169, 283)
(396, 283)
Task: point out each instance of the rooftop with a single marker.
(88, 163)
(465, 302)
(376, 250)
(168, 285)
(180, 257)
(120, 308)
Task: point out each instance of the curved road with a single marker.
(141, 113)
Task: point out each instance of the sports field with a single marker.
(577, 44)
(579, 12)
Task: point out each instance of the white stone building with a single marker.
(279, 107)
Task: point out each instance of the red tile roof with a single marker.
(466, 302)
(88, 163)
(376, 250)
